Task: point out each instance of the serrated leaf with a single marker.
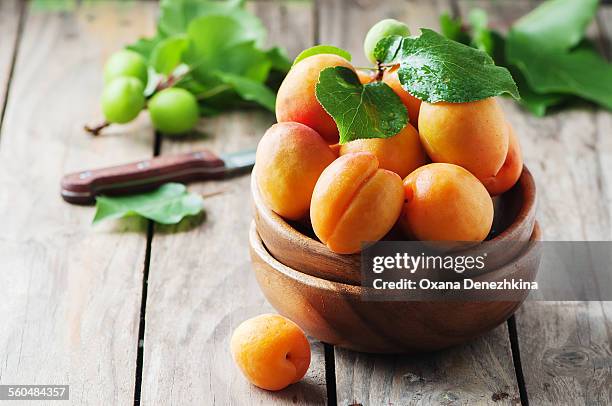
(168, 204)
(434, 68)
(360, 111)
(168, 53)
(322, 49)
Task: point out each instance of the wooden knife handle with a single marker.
(82, 187)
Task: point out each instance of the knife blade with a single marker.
(82, 187)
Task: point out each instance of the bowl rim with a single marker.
(257, 245)
(526, 183)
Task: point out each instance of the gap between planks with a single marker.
(22, 5)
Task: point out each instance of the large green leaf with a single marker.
(434, 68)
(168, 204)
(556, 24)
(360, 111)
(250, 90)
(580, 72)
(176, 15)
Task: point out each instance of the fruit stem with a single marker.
(95, 130)
(381, 71)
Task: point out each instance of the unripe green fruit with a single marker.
(126, 63)
(122, 100)
(174, 111)
(380, 30)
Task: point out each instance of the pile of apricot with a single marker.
(435, 178)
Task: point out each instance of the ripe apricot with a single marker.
(412, 104)
(401, 153)
(445, 202)
(296, 99)
(354, 201)
(473, 135)
(271, 351)
(289, 159)
(510, 171)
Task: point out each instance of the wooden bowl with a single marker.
(335, 313)
(296, 246)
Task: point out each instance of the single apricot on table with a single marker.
(413, 105)
(289, 159)
(402, 153)
(271, 351)
(445, 202)
(355, 201)
(510, 171)
(296, 99)
(473, 135)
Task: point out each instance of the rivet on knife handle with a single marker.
(82, 187)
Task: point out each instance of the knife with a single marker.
(82, 187)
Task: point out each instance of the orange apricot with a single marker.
(402, 153)
(365, 76)
(473, 135)
(271, 351)
(289, 159)
(445, 202)
(354, 201)
(296, 99)
(413, 105)
(510, 171)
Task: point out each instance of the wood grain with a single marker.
(486, 364)
(201, 285)
(565, 347)
(10, 14)
(70, 292)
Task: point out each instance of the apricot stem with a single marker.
(95, 130)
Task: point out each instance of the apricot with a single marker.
(365, 76)
(380, 30)
(473, 135)
(296, 99)
(445, 202)
(355, 201)
(413, 105)
(271, 351)
(510, 171)
(289, 159)
(401, 153)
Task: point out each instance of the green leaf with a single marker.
(434, 68)
(250, 90)
(481, 35)
(167, 54)
(144, 46)
(556, 24)
(176, 15)
(279, 59)
(218, 44)
(322, 49)
(168, 204)
(360, 111)
(581, 72)
(452, 29)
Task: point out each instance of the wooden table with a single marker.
(130, 313)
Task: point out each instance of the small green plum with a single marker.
(380, 30)
(126, 63)
(174, 111)
(122, 100)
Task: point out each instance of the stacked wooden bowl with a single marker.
(321, 291)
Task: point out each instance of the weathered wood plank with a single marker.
(10, 14)
(70, 293)
(200, 283)
(565, 347)
(475, 373)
